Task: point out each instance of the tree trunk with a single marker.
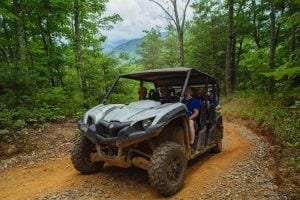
(293, 33)
(46, 38)
(272, 44)
(28, 51)
(233, 65)
(179, 24)
(19, 55)
(230, 63)
(213, 48)
(78, 49)
(255, 26)
(8, 38)
(180, 32)
(181, 49)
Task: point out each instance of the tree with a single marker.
(78, 48)
(170, 51)
(179, 23)
(86, 35)
(272, 43)
(151, 49)
(230, 52)
(206, 38)
(38, 57)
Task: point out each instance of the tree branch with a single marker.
(184, 13)
(174, 2)
(165, 10)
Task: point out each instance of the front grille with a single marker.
(110, 129)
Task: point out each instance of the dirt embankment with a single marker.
(241, 170)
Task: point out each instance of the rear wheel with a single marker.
(80, 156)
(167, 168)
(218, 147)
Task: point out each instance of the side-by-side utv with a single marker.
(153, 133)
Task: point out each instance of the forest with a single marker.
(52, 65)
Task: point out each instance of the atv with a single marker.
(151, 133)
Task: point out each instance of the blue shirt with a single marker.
(213, 102)
(192, 104)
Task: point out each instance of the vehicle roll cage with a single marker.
(171, 77)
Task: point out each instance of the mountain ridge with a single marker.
(128, 46)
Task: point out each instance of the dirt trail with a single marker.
(59, 177)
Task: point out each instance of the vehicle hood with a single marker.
(135, 111)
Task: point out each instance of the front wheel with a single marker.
(80, 156)
(167, 168)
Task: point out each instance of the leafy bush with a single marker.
(3, 133)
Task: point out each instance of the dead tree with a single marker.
(173, 15)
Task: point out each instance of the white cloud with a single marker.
(137, 15)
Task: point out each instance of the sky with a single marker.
(137, 15)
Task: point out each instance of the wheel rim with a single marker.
(174, 171)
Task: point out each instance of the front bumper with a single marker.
(125, 137)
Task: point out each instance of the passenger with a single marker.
(193, 105)
(199, 94)
(212, 101)
(142, 93)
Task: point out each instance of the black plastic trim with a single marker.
(91, 133)
(129, 135)
(177, 112)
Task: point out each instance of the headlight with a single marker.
(147, 122)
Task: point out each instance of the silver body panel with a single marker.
(133, 112)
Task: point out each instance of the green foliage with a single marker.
(272, 115)
(296, 162)
(206, 38)
(284, 71)
(3, 132)
(150, 49)
(159, 52)
(40, 80)
(170, 51)
(268, 112)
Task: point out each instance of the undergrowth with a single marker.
(270, 113)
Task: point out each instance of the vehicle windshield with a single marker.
(126, 91)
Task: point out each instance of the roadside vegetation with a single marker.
(272, 115)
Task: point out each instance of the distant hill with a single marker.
(109, 46)
(128, 46)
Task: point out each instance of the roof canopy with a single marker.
(172, 76)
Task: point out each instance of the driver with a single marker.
(193, 106)
(168, 95)
(164, 92)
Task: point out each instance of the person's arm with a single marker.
(195, 114)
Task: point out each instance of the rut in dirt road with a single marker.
(239, 171)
